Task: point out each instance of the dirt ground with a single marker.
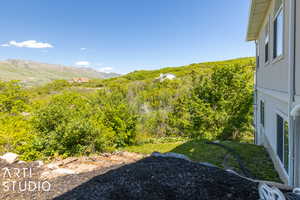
(33, 180)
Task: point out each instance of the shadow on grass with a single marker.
(255, 158)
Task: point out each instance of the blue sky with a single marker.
(123, 36)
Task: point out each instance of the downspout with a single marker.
(292, 59)
(295, 114)
(295, 40)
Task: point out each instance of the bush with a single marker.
(218, 107)
(65, 126)
(73, 124)
(13, 98)
(14, 131)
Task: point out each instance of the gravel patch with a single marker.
(162, 178)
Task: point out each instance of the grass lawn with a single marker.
(255, 158)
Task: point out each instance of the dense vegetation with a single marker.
(205, 101)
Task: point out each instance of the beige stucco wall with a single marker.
(298, 49)
(274, 75)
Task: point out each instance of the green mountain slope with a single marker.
(185, 70)
(34, 73)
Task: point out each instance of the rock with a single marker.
(21, 162)
(56, 173)
(10, 157)
(45, 174)
(52, 166)
(131, 155)
(39, 163)
(63, 171)
(170, 155)
(69, 160)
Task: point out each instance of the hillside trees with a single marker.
(219, 106)
(14, 125)
(209, 100)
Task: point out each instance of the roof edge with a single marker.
(253, 35)
(249, 18)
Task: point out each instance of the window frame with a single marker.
(257, 55)
(276, 57)
(262, 114)
(267, 43)
(284, 158)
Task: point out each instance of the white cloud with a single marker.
(82, 63)
(82, 49)
(105, 69)
(28, 44)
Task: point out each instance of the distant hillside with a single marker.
(34, 73)
(186, 70)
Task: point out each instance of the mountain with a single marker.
(35, 73)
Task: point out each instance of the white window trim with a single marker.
(258, 63)
(285, 119)
(267, 32)
(281, 57)
(260, 124)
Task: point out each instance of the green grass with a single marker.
(255, 158)
(149, 148)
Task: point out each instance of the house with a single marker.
(163, 77)
(274, 26)
(80, 80)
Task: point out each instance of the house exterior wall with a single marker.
(273, 75)
(267, 133)
(273, 85)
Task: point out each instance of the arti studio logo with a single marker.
(20, 180)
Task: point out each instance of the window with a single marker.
(283, 141)
(267, 43)
(262, 113)
(278, 34)
(286, 146)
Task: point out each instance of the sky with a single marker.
(123, 36)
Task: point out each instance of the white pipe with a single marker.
(296, 111)
(291, 42)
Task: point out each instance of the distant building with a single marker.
(80, 80)
(163, 77)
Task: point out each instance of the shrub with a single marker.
(65, 126)
(13, 98)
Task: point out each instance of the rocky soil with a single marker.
(36, 180)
